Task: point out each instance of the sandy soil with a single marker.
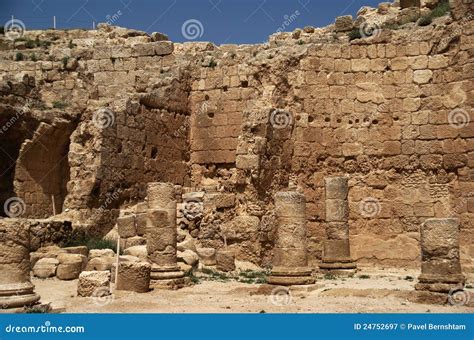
(382, 292)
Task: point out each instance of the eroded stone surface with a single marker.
(390, 110)
(16, 289)
(91, 283)
(290, 261)
(134, 276)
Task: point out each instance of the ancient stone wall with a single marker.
(391, 111)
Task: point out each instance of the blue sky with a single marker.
(219, 21)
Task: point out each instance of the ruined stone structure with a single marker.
(162, 235)
(89, 117)
(290, 263)
(16, 289)
(440, 267)
(336, 252)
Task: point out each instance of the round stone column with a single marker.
(336, 258)
(290, 262)
(16, 289)
(161, 234)
(440, 265)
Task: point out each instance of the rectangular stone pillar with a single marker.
(440, 266)
(336, 257)
(290, 262)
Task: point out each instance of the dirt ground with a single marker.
(367, 292)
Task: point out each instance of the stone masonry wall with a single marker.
(393, 112)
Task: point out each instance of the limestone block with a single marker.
(147, 49)
(188, 256)
(422, 76)
(45, 252)
(160, 239)
(135, 241)
(247, 161)
(91, 282)
(45, 267)
(123, 258)
(440, 238)
(138, 251)
(400, 63)
(290, 203)
(157, 36)
(225, 260)
(440, 265)
(120, 52)
(126, 226)
(437, 62)
(140, 221)
(103, 263)
(134, 276)
(383, 7)
(207, 256)
(336, 250)
(81, 250)
(337, 210)
(241, 228)
(164, 47)
(70, 266)
(290, 257)
(337, 230)
(93, 253)
(344, 23)
(290, 231)
(102, 52)
(220, 200)
(141, 208)
(336, 187)
(188, 243)
(161, 196)
(360, 65)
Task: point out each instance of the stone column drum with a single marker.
(336, 258)
(162, 236)
(440, 265)
(290, 262)
(16, 289)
